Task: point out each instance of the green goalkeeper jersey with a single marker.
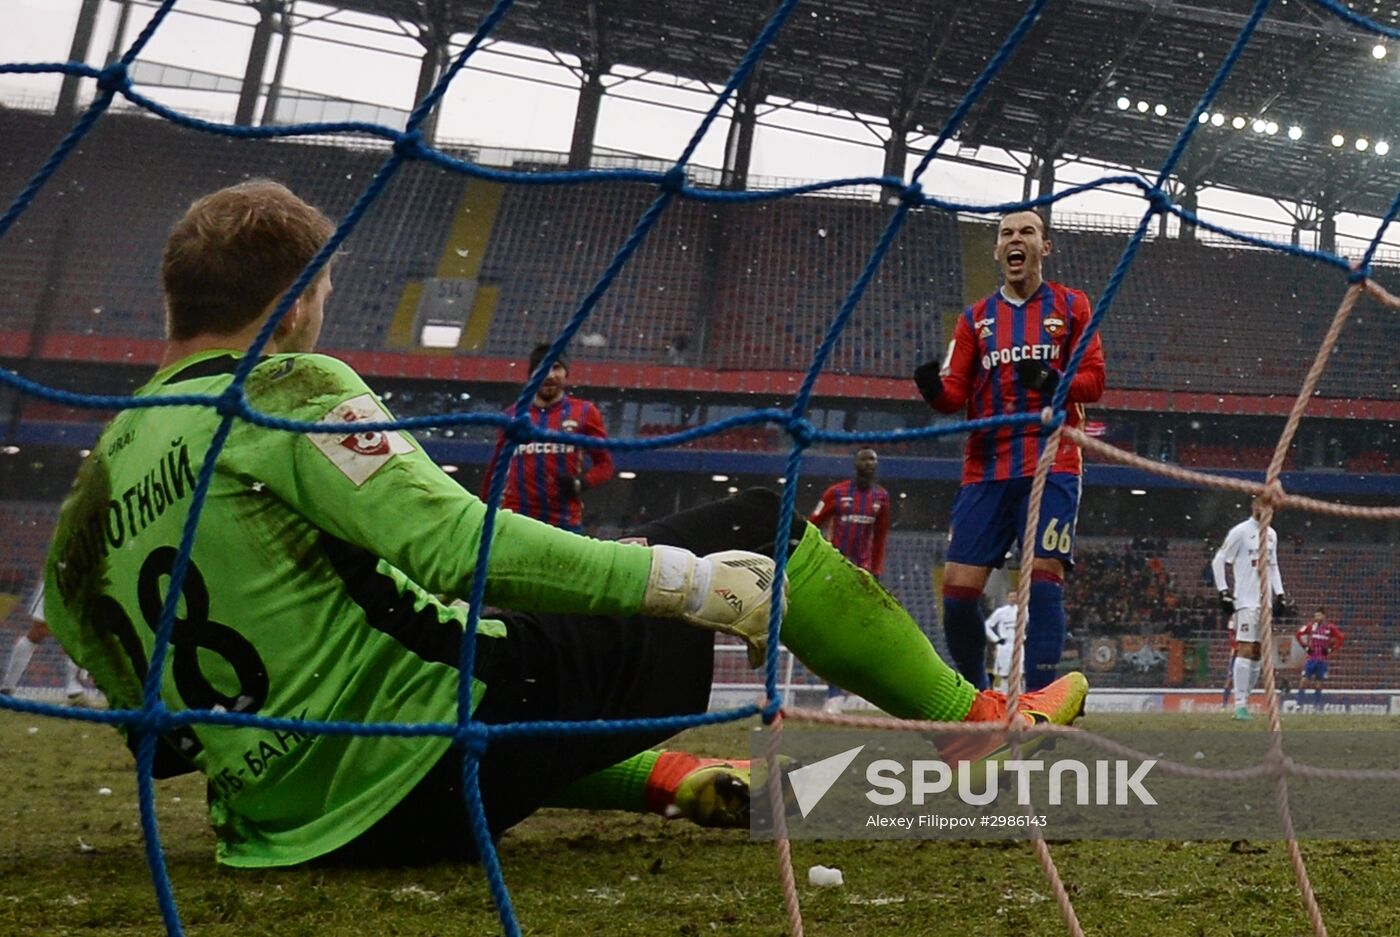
(310, 594)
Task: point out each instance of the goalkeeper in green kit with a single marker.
(310, 595)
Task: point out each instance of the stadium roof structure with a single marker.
(1059, 96)
(1103, 81)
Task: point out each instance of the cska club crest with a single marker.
(569, 426)
(1054, 325)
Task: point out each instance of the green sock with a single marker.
(849, 631)
(620, 787)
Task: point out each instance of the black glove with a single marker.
(929, 381)
(571, 487)
(1227, 602)
(1037, 375)
(1282, 607)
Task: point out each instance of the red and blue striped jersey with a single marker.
(1319, 638)
(990, 338)
(532, 481)
(860, 521)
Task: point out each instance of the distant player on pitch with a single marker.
(1319, 638)
(23, 652)
(1001, 635)
(1240, 553)
(1007, 355)
(855, 516)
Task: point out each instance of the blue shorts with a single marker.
(1315, 670)
(988, 518)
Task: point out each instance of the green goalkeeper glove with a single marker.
(730, 591)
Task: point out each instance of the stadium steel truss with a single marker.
(1102, 81)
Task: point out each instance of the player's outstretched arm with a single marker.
(381, 492)
(1217, 565)
(1089, 380)
(600, 467)
(826, 509)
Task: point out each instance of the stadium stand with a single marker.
(786, 268)
(1206, 455)
(99, 192)
(912, 560)
(549, 246)
(750, 287)
(1182, 322)
(1381, 462)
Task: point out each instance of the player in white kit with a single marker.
(23, 651)
(1001, 634)
(1240, 553)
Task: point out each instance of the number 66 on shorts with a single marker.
(988, 518)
